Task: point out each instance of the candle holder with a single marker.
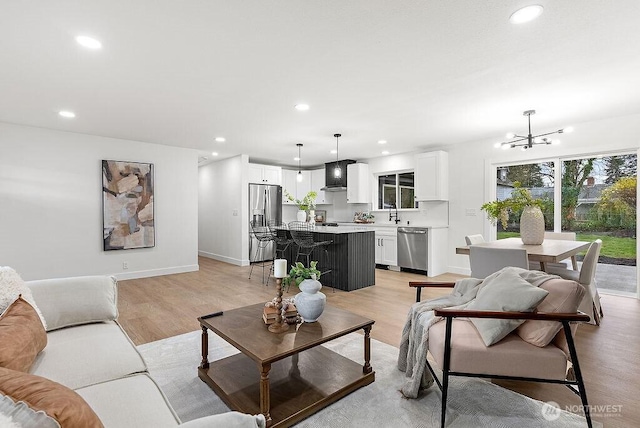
(279, 326)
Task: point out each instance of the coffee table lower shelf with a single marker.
(300, 385)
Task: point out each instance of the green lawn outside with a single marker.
(619, 248)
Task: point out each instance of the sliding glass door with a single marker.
(595, 197)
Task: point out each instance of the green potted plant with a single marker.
(299, 273)
(531, 220)
(306, 205)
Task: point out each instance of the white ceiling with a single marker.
(417, 73)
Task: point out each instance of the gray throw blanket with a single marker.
(414, 344)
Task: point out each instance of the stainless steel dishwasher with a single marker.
(412, 247)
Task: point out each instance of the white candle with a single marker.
(280, 268)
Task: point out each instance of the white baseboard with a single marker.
(156, 272)
(225, 259)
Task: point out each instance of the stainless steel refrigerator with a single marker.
(265, 204)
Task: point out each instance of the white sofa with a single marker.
(89, 352)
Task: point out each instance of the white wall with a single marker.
(223, 230)
(469, 165)
(51, 205)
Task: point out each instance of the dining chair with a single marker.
(564, 264)
(485, 260)
(586, 277)
(474, 239)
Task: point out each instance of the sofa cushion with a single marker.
(58, 401)
(22, 336)
(66, 302)
(134, 401)
(12, 286)
(564, 297)
(511, 356)
(507, 291)
(87, 354)
(19, 415)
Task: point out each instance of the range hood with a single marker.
(333, 184)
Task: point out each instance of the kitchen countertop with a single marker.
(339, 229)
(388, 225)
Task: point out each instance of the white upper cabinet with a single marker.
(432, 176)
(358, 184)
(317, 183)
(265, 174)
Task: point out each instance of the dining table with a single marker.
(550, 251)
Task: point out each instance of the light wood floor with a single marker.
(160, 307)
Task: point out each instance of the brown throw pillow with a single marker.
(564, 297)
(58, 401)
(22, 336)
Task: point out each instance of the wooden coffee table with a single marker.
(285, 376)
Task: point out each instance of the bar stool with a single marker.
(302, 234)
(278, 230)
(264, 238)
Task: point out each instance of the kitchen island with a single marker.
(351, 256)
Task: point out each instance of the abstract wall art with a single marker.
(127, 204)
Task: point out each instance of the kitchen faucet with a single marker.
(394, 215)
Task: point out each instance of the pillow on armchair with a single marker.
(507, 291)
(564, 297)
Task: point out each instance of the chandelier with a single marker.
(528, 141)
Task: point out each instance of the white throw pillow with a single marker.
(11, 286)
(505, 292)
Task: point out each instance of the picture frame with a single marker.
(128, 217)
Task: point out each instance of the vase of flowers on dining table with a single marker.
(531, 219)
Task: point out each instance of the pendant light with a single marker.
(299, 176)
(337, 172)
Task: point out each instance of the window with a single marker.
(396, 187)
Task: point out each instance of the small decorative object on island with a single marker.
(310, 302)
(305, 206)
(279, 271)
(531, 220)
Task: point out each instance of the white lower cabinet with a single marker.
(386, 247)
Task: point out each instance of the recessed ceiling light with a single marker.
(88, 42)
(382, 142)
(214, 153)
(296, 159)
(302, 107)
(526, 14)
(568, 130)
(385, 152)
(497, 145)
(220, 139)
(333, 152)
(67, 114)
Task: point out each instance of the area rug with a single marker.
(173, 364)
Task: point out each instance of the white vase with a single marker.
(310, 301)
(532, 226)
(301, 215)
(312, 216)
